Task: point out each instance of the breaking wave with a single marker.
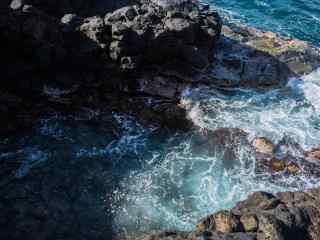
(178, 185)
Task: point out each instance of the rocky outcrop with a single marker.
(130, 37)
(249, 57)
(244, 57)
(262, 216)
(142, 49)
(147, 34)
(112, 52)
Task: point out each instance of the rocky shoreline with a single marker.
(139, 50)
(261, 216)
(287, 215)
(139, 59)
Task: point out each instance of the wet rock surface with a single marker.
(288, 215)
(285, 157)
(227, 142)
(248, 57)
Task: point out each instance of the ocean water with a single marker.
(152, 179)
(178, 185)
(159, 180)
(293, 18)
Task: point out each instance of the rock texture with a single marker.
(140, 49)
(262, 216)
(244, 57)
(112, 52)
(269, 59)
(144, 35)
(285, 157)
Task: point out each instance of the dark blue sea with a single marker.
(294, 18)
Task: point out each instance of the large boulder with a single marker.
(156, 35)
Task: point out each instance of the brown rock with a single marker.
(256, 201)
(293, 168)
(314, 154)
(249, 223)
(206, 224)
(225, 222)
(269, 228)
(263, 145)
(277, 165)
(222, 222)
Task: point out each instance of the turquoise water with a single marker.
(294, 18)
(149, 179)
(179, 184)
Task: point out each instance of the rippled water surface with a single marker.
(178, 185)
(145, 179)
(152, 179)
(295, 18)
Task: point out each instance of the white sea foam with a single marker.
(292, 111)
(311, 88)
(174, 185)
(184, 186)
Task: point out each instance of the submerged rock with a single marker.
(229, 145)
(224, 143)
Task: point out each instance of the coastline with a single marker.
(98, 47)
